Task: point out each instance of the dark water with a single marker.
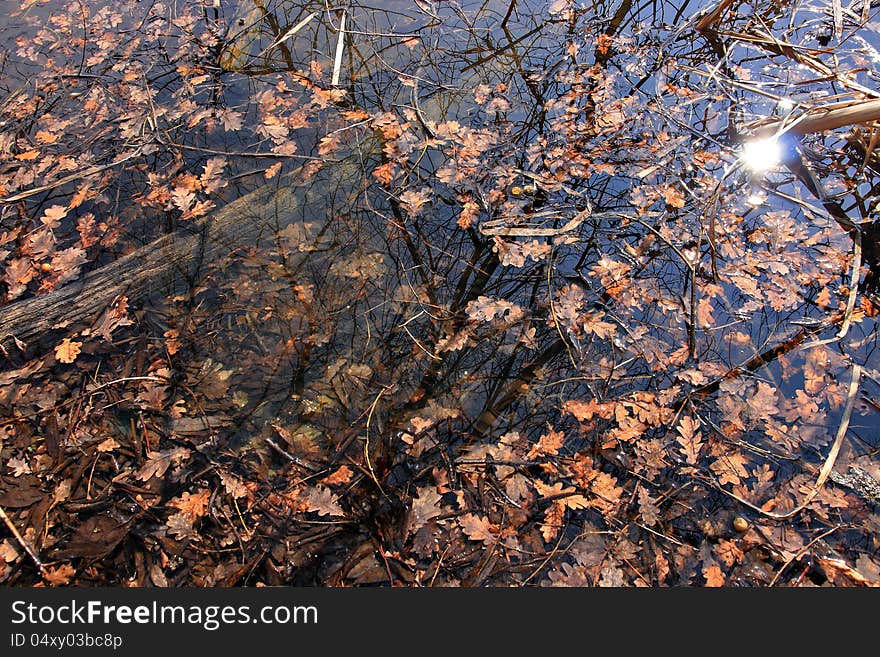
(333, 324)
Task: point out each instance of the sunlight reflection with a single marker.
(761, 154)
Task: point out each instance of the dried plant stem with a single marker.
(23, 543)
(713, 16)
(827, 466)
(800, 553)
(853, 283)
(91, 171)
(340, 45)
(827, 117)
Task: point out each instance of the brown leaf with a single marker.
(714, 575)
(67, 350)
(192, 505)
(59, 576)
(95, 538)
(324, 502)
(107, 445)
(690, 439)
(840, 573)
(673, 196)
(487, 309)
(424, 507)
(112, 318)
(53, 215)
(477, 528)
(233, 485)
(160, 462)
(549, 444)
(728, 552)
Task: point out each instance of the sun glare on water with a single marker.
(761, 154)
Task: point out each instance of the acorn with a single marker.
(740, 524)
(516, 191)
(45, 267)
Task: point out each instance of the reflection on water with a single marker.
(502, 289)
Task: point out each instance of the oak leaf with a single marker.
(477, 528)
(67, 350)
(192, 505)
(53, 215)
(424, 507)
(233, 485)
(159, 462)
(322, 501)
(728, 552)
(59, 576)
(549, 444)
(714, 575)
(341, 476)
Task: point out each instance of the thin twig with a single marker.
(91, 171)
(827, 466)
(853, 282)
(799, 554)
(24, 544)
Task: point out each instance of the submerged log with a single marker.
(294, 197)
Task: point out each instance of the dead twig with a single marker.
(713, 16)
(827, 466)
(23, 543)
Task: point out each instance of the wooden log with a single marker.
(150, 268)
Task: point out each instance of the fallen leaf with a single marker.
(477, 528)
(272, 171)
(424, 507)
(18, 466)
(107, 445)
(233, 485)
(192, 505)
(341, 476)
(67, 351)
(59, 576)
(323, 502)
(714, 575)
(53, 215)
(159, 462)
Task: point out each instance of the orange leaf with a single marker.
(193, 506)
(67, 351)
(272, 171)
(549, 444)
(59, 576)
(341, 476)
(714, 575)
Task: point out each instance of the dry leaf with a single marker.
(192, 505)
(233, 485)
(477, 528)
(341, 476)
(424, 507)
(324, 502)
(714, 575)
(159, 462)
(59, 576)
(67, 351)
(107, 445)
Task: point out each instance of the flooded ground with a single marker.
(478, 294)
